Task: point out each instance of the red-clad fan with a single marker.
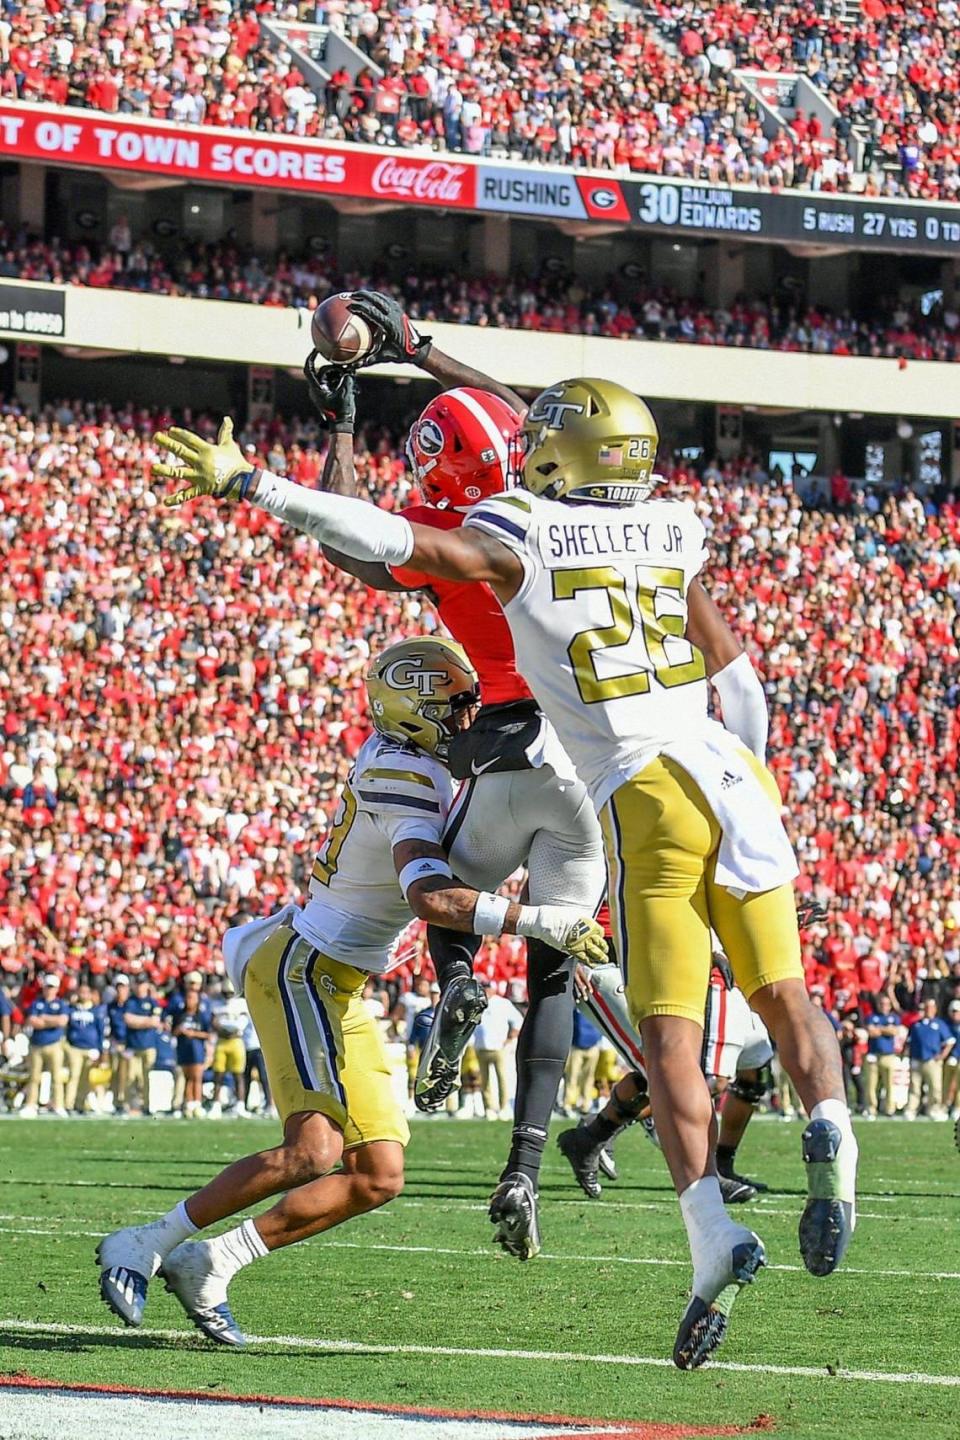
(521, 803)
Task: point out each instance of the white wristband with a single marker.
(490, 914)
(420, 869)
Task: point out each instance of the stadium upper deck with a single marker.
(652, 91)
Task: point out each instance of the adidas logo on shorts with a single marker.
(728, 780)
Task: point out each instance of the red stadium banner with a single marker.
(234, 157)
(668, 205)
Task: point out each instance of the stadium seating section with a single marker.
(647, 89)
(181, 697)
(620, 309)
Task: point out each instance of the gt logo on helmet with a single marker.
(552, 412)
(409, 674)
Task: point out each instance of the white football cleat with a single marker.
(191, 1273)
(128, 1260)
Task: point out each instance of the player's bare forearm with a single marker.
(707, 629)
(453, 906)
(368, 572)
(466, 554)
(339, 469)
(451, 373)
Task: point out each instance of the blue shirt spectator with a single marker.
(87, 1022)
(929, 1035)
(48, 1003)
(882, 1028)
(190, 1049)
(142, 1005)
(116, 1018)
(953, 1023)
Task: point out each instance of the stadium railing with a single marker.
(118, 321)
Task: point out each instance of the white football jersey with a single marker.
(598, 624)
(356, 910)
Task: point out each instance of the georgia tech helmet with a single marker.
(591, 441)
(416, 689)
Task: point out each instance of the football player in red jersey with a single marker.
(521, 802)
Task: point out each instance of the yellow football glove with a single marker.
(209, 469)
(565, 928)
(585, 941)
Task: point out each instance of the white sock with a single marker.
(711, 1233)
(849, 1151)
(170, 1230)
(237, 1248)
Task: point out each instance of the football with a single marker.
(341, 337)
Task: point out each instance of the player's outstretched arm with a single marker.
(435, 895)
(219, 469)
(365, 532)
(403, 344)
(340, 478)
(731, 671)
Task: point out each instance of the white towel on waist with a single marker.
(546, 749)
(240, 942)
(755, 853)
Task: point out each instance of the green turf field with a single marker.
(423, 1273)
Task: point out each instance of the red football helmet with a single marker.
(463, 447)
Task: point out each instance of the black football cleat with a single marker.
(736, 1191)
(458, 1013)
(731, 1174)
(584, 1155)
(827, 1222)
(513, 1210)
(704, 1325)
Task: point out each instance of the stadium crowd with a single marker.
(181, 695)
(622, 308)
(650, 91)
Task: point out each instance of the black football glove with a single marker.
(810, 912)
(402, 343)
(333, 394)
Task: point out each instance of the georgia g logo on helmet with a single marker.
(430, 437)
(551, 411)
(411, 674)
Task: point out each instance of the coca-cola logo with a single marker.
(438, 181)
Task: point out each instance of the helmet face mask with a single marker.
(463, 447)
(590, 442)
(419, 690)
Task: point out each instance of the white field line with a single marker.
(455, 1202)
(667, 1203)
(566, 1357)
(478, 1253)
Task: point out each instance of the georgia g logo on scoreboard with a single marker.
(412, 675)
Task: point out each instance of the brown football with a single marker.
(341, 338)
